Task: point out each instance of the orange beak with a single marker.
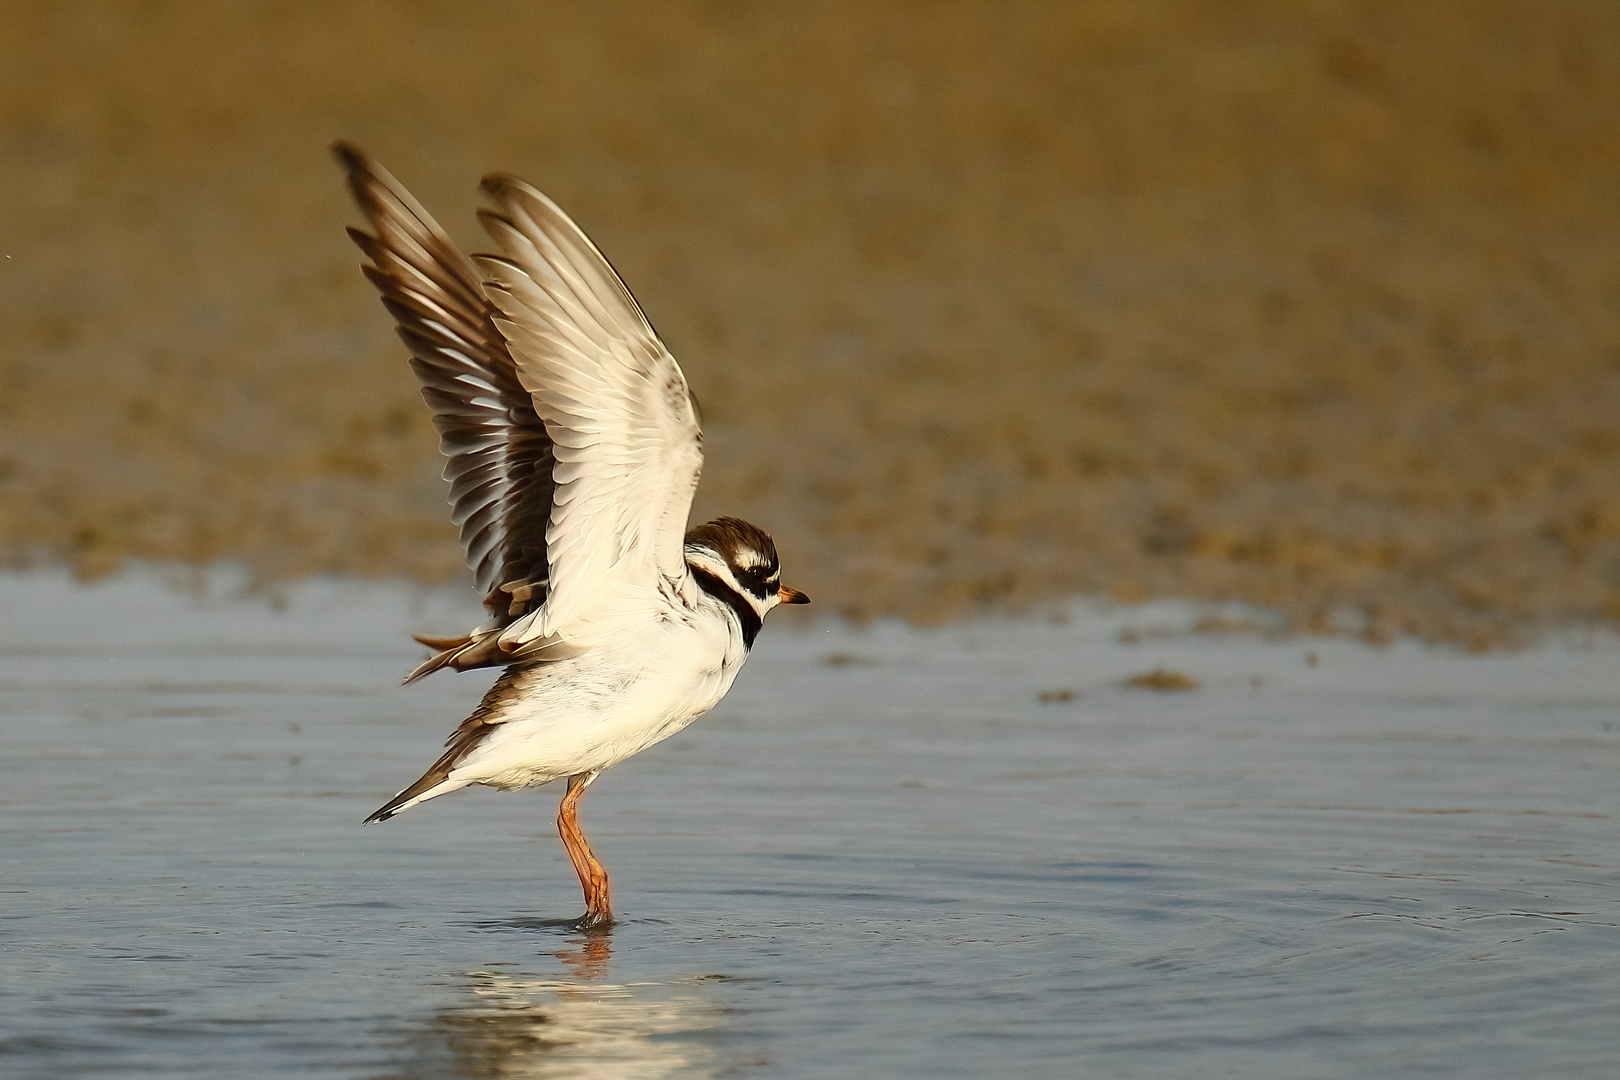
(791, 596)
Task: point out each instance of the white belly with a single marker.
(592, 712)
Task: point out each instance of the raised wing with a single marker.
(500, 454)
(623, 422)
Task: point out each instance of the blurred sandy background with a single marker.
(1310, 304)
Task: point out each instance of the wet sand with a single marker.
(974, 851)
(988, 305)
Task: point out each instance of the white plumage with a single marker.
(589, 713)
(574, 452)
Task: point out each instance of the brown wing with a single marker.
(500, 457)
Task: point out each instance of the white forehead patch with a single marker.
(752, 559)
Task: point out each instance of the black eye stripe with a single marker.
(759, 583)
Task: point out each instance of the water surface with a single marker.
(884, 855)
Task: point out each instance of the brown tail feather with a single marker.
(459, 745)
(432, 778)
(441, 643)
(461, 654)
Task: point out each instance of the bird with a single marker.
(574, 450)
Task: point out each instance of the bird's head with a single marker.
(742, 558)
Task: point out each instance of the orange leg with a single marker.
(592, 877)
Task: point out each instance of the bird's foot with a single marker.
(594, 919)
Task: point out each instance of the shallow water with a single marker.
(882, 856)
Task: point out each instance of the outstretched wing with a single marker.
(623, 423)
(500, 454)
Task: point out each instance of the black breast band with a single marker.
(747, 617)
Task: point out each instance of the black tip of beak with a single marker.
(792, 596)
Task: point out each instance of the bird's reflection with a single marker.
(582, 1026)
(589, 958)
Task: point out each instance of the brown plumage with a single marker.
(500, 456)
(458, 745)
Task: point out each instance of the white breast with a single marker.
(592, 712)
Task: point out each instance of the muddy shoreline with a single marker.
(987, 305)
